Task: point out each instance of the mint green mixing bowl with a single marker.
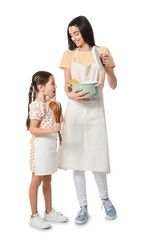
(90, 87)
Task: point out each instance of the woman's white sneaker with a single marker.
(38, 222)
(55, 216)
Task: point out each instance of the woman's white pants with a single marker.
(80, 185)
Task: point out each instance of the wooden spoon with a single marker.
(57, 109)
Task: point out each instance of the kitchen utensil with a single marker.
(92, 88)
(96, 55)
(57, 109)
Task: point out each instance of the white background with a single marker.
(33, 38)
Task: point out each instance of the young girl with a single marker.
(84, 133)
(43, 161)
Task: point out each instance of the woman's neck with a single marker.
(85, 47)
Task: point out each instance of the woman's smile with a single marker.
(75, 35)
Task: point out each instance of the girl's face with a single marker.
(76, 36)
(49, 89)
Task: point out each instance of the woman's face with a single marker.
(76, 36)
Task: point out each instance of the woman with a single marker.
(85, 145)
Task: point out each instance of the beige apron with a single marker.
(85, 145)
(45, 154)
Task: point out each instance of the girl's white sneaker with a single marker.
(55, 216)
(38, 222)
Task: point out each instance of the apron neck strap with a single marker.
(75, 55)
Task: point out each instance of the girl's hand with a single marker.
(57, 127)
(53, 99)
(74, 95)
(105, 60)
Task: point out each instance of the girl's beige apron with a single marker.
(45, 154)
(85, 145)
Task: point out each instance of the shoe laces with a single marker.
(82, 211)
(37, 215)
(58, 213)
(107, 204)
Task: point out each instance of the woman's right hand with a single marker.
(74, 95)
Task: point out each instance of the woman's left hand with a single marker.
(106, 61)
(109, 70)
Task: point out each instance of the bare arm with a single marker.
(67, 74)
(35, 130)
(112, 80)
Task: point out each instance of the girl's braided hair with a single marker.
(39, 78)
